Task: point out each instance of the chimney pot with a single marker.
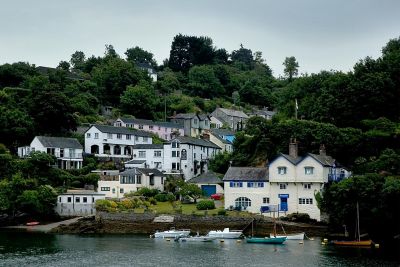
(293, 148)
(322, 150)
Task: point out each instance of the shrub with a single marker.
(171, 197)
(205, 205)
(153, 201)
(298, 217)
(222, 212)
(127, 204)
(106, 205)
(161, 197)
(147, 192)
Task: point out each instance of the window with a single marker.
(165, 136)
(308, 170)
(194, 155)
(255, 184)
(145, 139)
(119, 136)
(127, 179)
(140, 127)
(176, 166)
(84, 199)
(138, 179)
(157, 153)
(281, 170)
(104, 189)
(236, 184)
(159, 128)
(109, 136)
(265, 200)
(151, 179)
(243, 202)
(113, 190)
(175, 144)
(195, 121)
(282, 186)
(69, 199)
(59, 199)
(307, 186)
(150, 127)
(77, 199)
(136, 138)
(96, 135)
(121, 190)
(128, 137)
(142, 154)
(88, 135)
(174, 154)
(184, 154)
(305, 201)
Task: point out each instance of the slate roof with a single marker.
(148, 146)
(291, 159)
(60, 142)
(323, 159)
(234, 113)
(222, 132)
(145, 171)
(155, 172)
(265, 112)
(184, 116)
(195, 141)
(135, 161)
(202, 117)
(221, 139)
(206, 178)
(150, 122)
(121, 130)
(246, 174)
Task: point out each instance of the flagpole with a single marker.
(295, 109)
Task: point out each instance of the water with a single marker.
(37, 249)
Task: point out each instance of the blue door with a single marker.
(208, 190)
(284, 205)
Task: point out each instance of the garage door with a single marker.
(208, 190)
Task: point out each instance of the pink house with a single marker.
(164, 130)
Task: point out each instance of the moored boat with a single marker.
(297, 236)
(355, 243)
(226, 234)
(32, 223)
(197, 239)
(172, 233)
(266, 240)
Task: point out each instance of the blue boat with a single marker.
(266, 240)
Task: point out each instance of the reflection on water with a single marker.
(35, 249)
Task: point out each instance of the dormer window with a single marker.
(175, 145)
(282, 170)
(308, 170)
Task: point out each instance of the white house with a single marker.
(164, 130)
(292, 183)
(147, 67)
(68, 151)
(209, 183)
(152, 154)
(77, 202)
(114, 142)
(188, 156)
(246, 188)
(131, 180)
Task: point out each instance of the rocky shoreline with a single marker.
(134, 223)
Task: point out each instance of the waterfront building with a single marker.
(209, 183)
(234, 119)
(147, 156)
(77, 202)
(68, 151)
(131, 180)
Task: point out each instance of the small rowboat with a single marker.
(266, 240)
(355, 243)
(197, 239)
(32, 223)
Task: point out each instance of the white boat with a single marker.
(173, 233)
(226, 233)
(197, 239)
(297, 236)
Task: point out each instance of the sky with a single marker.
(322, 35)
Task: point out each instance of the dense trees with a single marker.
(291, 67)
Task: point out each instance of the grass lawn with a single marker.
(188, 209)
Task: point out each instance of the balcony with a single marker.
(68, 156)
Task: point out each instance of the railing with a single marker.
(68, 155)
(336, 176)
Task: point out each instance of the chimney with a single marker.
(205, 136)
(322, 150)
(293, 148)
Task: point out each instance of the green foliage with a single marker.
(222, 212)
(221, 162)
(205, 205)
(139, 100)
(191, 190)
(291, 67)
(162, 197)
(204, 83)
(139, 55)
(298, 217)
(147, 192)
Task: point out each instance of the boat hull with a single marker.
(172, 234)
(364, 243)
(197, 239)
(226, 234)
(266, 240)
(299, 236)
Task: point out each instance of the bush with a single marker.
(106, 205)
(222, 212)
(205, 205)
(147, 192)
(171, 197)
(161, 197)
(298, 217)
(153, 201)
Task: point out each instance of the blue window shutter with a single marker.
(241, 184)
(249, 184)
(231, 184)
(261, 184)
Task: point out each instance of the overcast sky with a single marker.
(322, 35)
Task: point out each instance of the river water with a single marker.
(38, 249)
